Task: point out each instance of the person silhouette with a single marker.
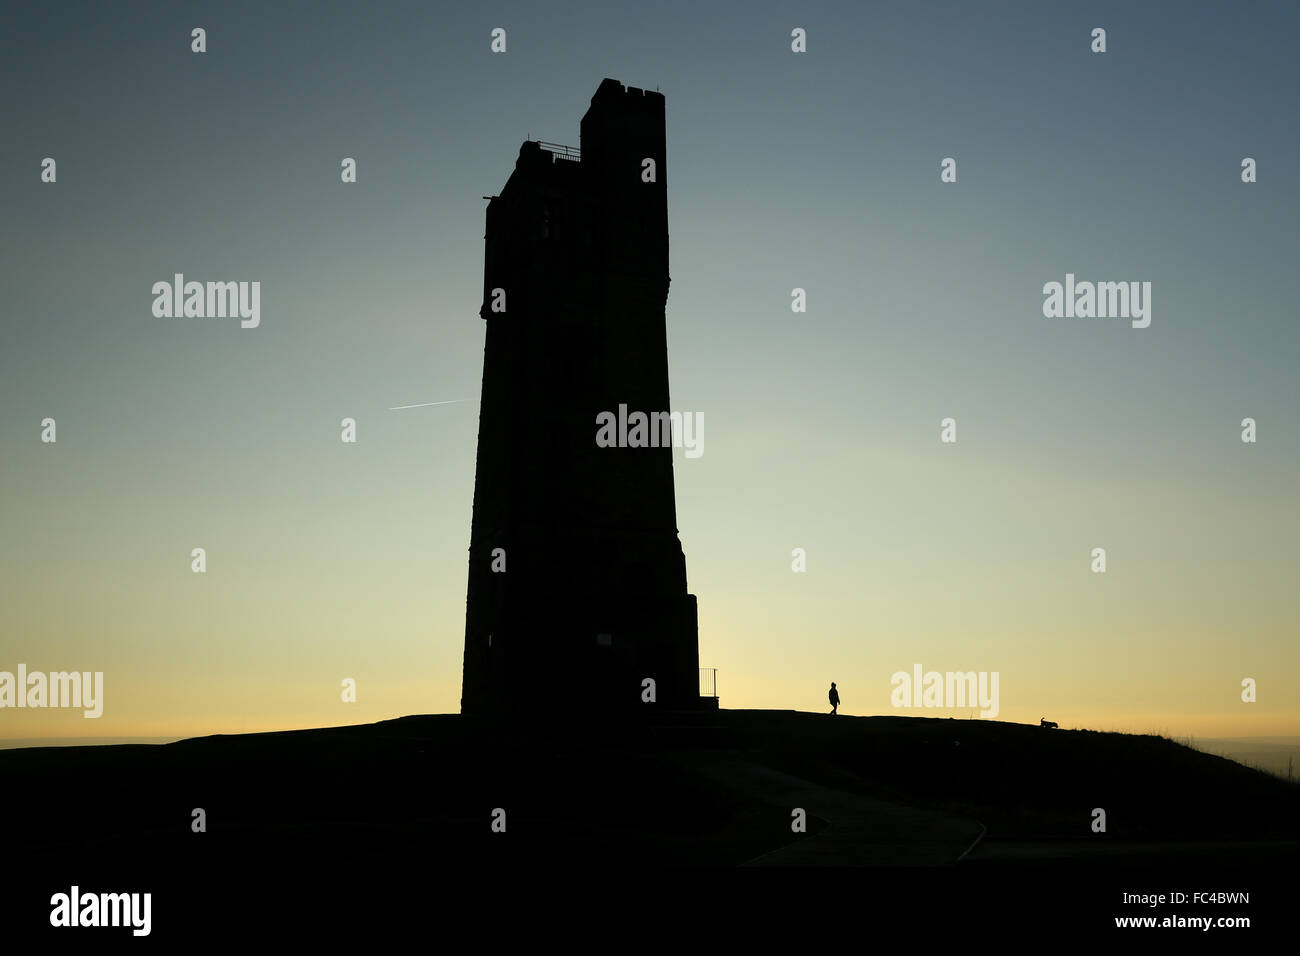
(834, 696)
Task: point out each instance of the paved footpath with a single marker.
(860, 831)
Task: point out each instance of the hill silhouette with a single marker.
(365, 804)
(686, 794)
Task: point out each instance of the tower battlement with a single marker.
(627, 97)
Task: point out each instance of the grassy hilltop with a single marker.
(716, 791)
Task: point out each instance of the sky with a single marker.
(819, 170)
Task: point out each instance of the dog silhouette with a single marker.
(1044, 722)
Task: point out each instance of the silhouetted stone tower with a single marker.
(593, 597)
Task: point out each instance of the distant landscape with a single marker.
(1270, 754)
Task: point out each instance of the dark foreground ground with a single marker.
(367, 829)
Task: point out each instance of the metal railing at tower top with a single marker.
(708, 682)
(564, 152)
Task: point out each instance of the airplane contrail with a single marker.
(426, 404)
